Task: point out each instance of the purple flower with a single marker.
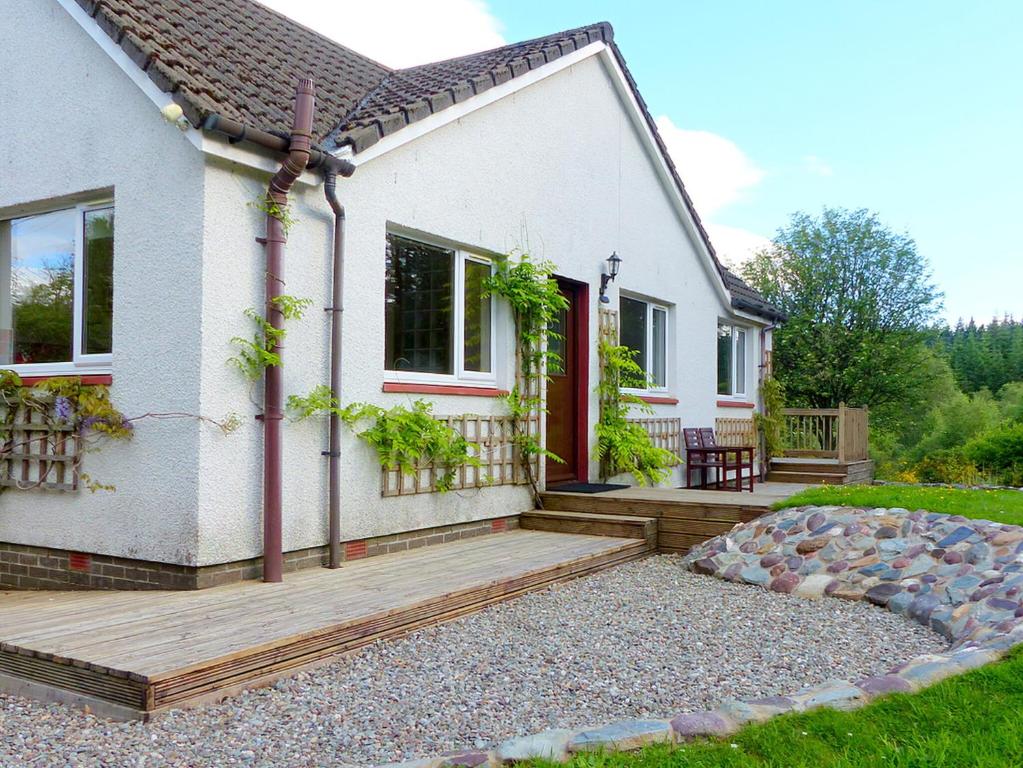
(88, 421)
(62, 408)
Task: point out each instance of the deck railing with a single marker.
(828, 433)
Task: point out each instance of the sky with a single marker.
(910, 108)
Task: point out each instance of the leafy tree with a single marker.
(858, 297)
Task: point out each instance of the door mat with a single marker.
(586, 487)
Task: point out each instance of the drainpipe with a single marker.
(273, 393)
(336, 308)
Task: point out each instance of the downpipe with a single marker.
(273, 393)
(336, 309)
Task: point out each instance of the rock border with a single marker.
(962, 578)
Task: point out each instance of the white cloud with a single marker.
(735, 246)
(401, 33)
(817, 167)
(715, 171)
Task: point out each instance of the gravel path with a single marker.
(643, 639)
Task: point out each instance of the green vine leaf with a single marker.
(536, 302)
(624, 447)
(257, 354)
(404, 438)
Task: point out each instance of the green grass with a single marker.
(971, 721)
(999, 506)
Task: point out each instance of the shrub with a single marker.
(949, 466)
(1000, 451)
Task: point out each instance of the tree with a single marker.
(858, 297)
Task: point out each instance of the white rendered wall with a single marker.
(74, 122)
(556, 169)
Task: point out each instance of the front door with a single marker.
(566, 389)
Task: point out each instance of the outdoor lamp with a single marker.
(614, 264)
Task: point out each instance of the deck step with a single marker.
(810, 478)
(621, 526)
(684, 519)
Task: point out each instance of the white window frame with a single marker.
(80, 363)
(651, 307)
(743, 332)
(460, 375)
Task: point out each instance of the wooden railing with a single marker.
(829, 433)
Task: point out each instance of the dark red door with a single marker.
(566, 389)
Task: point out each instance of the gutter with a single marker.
(758, 308)
(239, 133)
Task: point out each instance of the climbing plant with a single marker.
(404, 438)
(536, 303)
(270, 207)
(623, 446)
(770, 422)
(257, 354)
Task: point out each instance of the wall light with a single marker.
(614, 264)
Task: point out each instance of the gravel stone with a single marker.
(645, 640)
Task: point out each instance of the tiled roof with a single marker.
(408, 95)
(746, 298)
(239, 59)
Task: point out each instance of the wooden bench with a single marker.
(703, 453)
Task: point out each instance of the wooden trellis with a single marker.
(37, 454)
(490, 439)
(735, 432)
(665, 433)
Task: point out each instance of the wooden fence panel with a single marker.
(734, 433)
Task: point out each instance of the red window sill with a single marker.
(443, 389)
(97, 378)
(734, 404)
(658, 400)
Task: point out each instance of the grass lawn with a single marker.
(997, 506)
(971, 721)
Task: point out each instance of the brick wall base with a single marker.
(28, 567)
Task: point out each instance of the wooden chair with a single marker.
(703, 453)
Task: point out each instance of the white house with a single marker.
(154, 215)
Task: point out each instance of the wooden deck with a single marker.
(684, 517)
(131, 654)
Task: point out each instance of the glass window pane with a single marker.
(660, 351)
(477, 318)
(633, 332)
(740, 361)
(557, 333)
(98, 288)
(417, 307)
(37, 255)
(724, 359)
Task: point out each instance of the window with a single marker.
(437, 319)
(56, 290)
(731, 360)
(644, 329)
